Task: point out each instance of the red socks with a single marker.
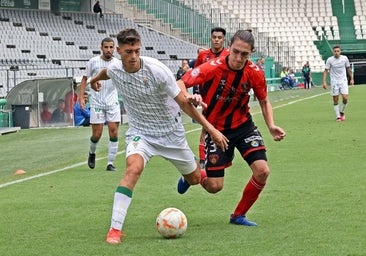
(203, 178)
(201, 151)
(250, 195)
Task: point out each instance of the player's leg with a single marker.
(251, 192)
(336, 108)
(212, 179)
(174, 147)
(113, 117)
(201, 149)
(344, 93)
(97, 130)
(97, 120)
(343, 106)
(136, 158)
(334, 92)
(252, 148)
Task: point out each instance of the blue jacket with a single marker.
(80, 114)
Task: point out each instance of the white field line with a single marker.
(123, 151)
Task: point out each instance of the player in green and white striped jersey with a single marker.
(153, 101)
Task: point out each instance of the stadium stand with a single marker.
(290, 31)
(39, 43)
(42, 44)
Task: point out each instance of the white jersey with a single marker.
(337, 69)
(107, 97)
(148, 96)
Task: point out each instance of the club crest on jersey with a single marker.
(136, 140)
(254, 143)
(146, 81)
(213, 158)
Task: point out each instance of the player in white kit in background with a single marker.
(338, 66)
(104, 105)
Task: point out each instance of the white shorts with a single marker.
(100, 116)
(340, 87)
(173, 147)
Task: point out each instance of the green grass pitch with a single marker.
(313, 204)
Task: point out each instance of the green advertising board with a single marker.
(23, 4)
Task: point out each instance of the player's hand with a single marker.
(325, 86)
(196, 99)
(277, 133)
(219, 139)
(82, 102)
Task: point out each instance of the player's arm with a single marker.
(277, 132)
(198, 61)
(95, 80)
(325, 74)
(350, 74)
(82, 91)
(186, 103)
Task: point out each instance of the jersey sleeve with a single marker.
(195, 76)
(258, 82)
(115, 65)
(172, 87)
(327, 64)
(347, 64)
(88, 69)
(166, 79)
(199, 60)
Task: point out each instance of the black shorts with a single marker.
(247, 139)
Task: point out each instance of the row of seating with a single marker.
(69, 40)
(287, 21)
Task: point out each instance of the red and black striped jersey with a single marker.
(207, 55)
(226, 91)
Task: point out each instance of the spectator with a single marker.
(306, 74)
(82, 115)
(291, 78)
(98, 9)
(183, 69)
(191, 64)
(260, 63)
(287, 81)
(71, 98)
(46, 115)
(59, 115)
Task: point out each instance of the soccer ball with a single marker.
(171, 223)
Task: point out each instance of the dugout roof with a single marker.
(25, 100)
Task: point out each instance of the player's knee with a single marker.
(213, 188)
(261, 174)
(95, 138)
(214, 185)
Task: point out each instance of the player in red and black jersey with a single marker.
(217, 50)
(225, 83)
(217, 47)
